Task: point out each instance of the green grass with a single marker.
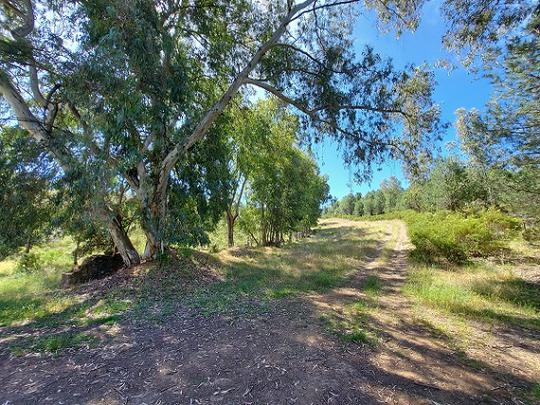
(352, 324)
(36, 296)
(54, 343)
(111, 306)
(532, 395)
(27, 297)
(372, 285)
(36, 300)
(316, 264)
(482, 292)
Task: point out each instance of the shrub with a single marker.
(28, 263)
(456, 237)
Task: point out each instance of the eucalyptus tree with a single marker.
(32, 68)
(259, 135)
(391, 189)
(503, 142)
(118, 89)
(287, 192)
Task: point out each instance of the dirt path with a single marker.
(284, 356)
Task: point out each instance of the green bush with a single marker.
(456, 237)
(28, 263)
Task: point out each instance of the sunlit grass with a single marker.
(29, 296)
(316, 264)
(482, 292)
(36, 295)
(218, 237)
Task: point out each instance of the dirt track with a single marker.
(282, 356)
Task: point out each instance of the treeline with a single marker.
(457, 210)
(452, 184)
(387, 198)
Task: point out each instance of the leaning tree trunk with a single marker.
(123, 243)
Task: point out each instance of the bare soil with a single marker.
(283, 355)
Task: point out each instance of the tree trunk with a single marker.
(123, 243)
(154, 246)
(153, 209)
(153, 243)
(231, 219)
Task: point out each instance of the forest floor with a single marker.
(338, 318)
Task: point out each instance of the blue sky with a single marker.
(455, 88)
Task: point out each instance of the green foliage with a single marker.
(450, 186)
(456, 237)
(503, 141)
(358, 207)
(482, 28)
(28, 263)
(284, 188)
(26, 177)
(386, 199)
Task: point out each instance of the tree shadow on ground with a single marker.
(280, 355)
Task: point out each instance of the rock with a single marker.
(93, 268)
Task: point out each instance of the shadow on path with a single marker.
(282, 356)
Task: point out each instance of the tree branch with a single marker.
(28, 19)
(204, 125)
(34, 85)
(309, 56)
(312, 113)
(29, 122)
